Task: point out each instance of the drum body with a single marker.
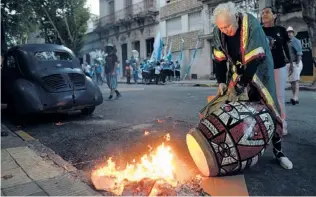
(232, 138)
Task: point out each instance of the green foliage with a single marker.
(59, 21)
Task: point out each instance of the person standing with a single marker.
(296, 55)
(278, 40)
(110, 70)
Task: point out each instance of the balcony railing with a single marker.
(127, 14)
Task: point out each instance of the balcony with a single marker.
(145, 9)
(288, 6)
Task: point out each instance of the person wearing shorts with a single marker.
(296, 56)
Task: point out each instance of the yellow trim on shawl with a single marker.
(253, 54)
(219, 55)
(266, 95)
(244, 35)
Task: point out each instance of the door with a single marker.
(149, 46)
(307, 53)
(124, 57)
(136, 46)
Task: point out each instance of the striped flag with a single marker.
(169, 56)
(192, 60)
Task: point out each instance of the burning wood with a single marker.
(154, 175)
(146, 133)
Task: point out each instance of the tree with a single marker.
(309, 16)
(63, 21)
(18, 19)
(60, 21)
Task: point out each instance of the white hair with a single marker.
(222, 8)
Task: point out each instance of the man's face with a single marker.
(291, 34)
(226, 24)
(267, 15)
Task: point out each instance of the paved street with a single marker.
(117, 129)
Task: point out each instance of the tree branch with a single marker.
(68, 30)
(54, 26)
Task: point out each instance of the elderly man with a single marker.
(241, 42)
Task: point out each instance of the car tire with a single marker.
(87, 111)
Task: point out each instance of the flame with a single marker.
(146, 133)
(158, 164)
(160, 121)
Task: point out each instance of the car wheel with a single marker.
(87, 111)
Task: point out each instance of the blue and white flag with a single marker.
(169, 56)
(158, 47)
(192, 60)
(181, 52)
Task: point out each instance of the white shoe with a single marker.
(285, 163)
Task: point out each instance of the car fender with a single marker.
(26, 98)
(93, 88)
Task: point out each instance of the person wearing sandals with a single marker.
(296, 55)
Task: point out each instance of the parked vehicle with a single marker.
(46, 78)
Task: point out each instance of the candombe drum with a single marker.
(231, 138)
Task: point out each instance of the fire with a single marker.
(160, 121)
(157, 165)
(146, 133)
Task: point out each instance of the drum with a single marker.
(232, 138)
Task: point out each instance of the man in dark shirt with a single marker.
(279, 40)
(240, 41)
(111, 61)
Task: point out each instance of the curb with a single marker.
(47, 153)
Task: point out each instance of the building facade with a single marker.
(183, 20)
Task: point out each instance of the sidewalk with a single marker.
(30, 168)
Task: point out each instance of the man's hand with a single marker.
(238, 93)
(222, 87)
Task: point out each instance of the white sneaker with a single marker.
(285, 163)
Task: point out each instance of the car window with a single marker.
(52, 55)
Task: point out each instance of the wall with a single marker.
(103, 8)
(178, 8)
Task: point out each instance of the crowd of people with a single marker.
(146, 71)
(149, 71)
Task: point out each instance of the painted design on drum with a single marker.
(249, 132)
(205, 131)
(210, 126)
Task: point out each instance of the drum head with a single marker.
(202, 153)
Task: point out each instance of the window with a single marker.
(52, 55)
(111, 7)
(195, 21)
(174, 26)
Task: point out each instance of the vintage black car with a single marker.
(46, 78)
